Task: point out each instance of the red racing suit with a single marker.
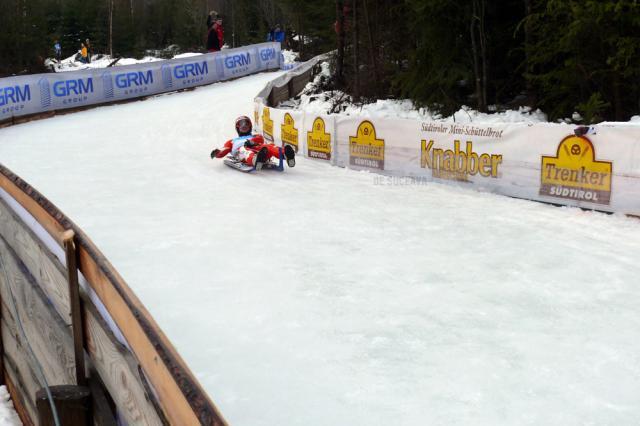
(239, 148)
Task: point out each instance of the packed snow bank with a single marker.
(315, 100)
(99, 61)
(8, 415)
(290, 56)
(103, 61)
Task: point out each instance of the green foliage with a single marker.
(561, 56)
(593, 109)
(586, 55)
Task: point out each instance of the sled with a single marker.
(235, 163)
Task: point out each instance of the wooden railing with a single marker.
(291, 84)
(142, 378)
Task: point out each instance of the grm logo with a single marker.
(191, 70)
(140, 78)
(239, 60)
(14, 95)
(73, 87)
(268, 54)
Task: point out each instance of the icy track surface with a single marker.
(315, 297)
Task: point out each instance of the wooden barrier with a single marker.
(290, 88)
(147, 380)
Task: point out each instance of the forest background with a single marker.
(562, 56)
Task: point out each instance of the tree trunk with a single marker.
(233, 27)
(479, 55)
(340, 34)
(301, 35)
(372, 50)
(356, 59)
(528, 10)
(483, 55)
(111, 28)
(617, 97)
(474, 54)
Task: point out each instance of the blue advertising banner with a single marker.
(32, 94)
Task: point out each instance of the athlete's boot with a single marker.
(290, 155)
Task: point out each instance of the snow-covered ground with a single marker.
(314, 100)
(325, 296)
(99, 61)
(8, 415)
(103, 61)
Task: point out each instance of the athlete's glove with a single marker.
(249, 144)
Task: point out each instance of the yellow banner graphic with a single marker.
(288, 131)
(364, 149)
(319, 141)
(267, 124)
(456, 164)
(575, 174)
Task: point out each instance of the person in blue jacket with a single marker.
(57, 50)
(277, 34)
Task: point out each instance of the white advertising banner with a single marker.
(319, 138)
(544, 162)
(32, 94)
(283, 127)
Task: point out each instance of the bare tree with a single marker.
(270, 11)
(372, 47)
(479, 52)
(340, 32)
(356, 52)
(110, 27)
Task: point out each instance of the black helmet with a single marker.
(243, 125)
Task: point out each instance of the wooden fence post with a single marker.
(72, 404)
(74, 301)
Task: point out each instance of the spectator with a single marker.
(213, 42)
(211, 19)
(277, 34)
(219, 31)
(57, 50)
(87, 43)
(83, 53)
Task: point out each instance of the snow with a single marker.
(70, 64)
(8, 415)
(315, 100)
(324, 103)
(290, 56)
(325, 296)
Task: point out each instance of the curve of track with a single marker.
(316, 296)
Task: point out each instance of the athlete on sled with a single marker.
(250, 152)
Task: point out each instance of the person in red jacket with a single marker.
(213, 39)
(251, 149)
(219, 29)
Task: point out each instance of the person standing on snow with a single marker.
(213, 41)
(277, 34)
(83, 53)
(251, 149)
(57, 50)
(211, 19)
(219, 31)
(87, 43)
